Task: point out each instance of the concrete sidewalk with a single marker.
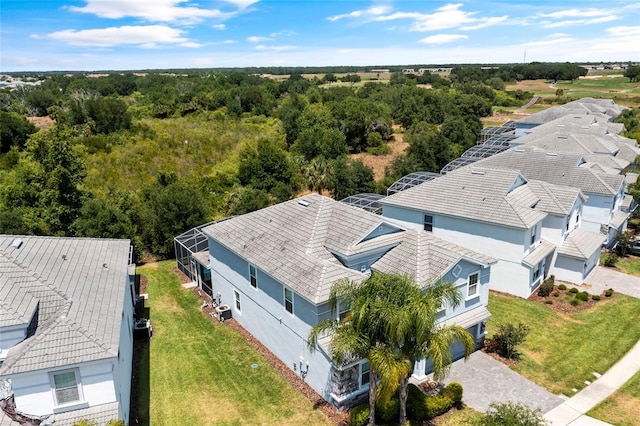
(571, 412)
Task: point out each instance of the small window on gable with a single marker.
(533, 235)
(364, 373)
(288, 300)
(428, 223)
(253, 276)
(456, 271)
(66, 387)
(472, 285)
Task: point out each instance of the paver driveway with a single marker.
(603, 278)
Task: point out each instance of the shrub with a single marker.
(437, 405)
(510, 413)
(573, 290)
(387, 413)
(574, 302)
(584, 296)
(416, 408)
(359, 415)
(556, 294)
(504, 342)
(562, 287)
(549, 302)
(454, 391)
(611, 259)
(595, 297)
(546, 287)
(608, 293)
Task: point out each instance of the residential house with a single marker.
(499, 212)
(605, 192)
(66, 324)
(275, 269)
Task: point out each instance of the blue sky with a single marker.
(44, 35)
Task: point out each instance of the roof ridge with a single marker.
(315, 228)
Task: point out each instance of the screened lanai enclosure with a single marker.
(192, 256)
(366, 201)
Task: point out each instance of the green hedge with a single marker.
(359, 415)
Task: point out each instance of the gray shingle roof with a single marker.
(581, 244)
(477, 193)
(618, 219)
(293, 242)
(540, 252)
(555, 168)
(578, 124)
(557, 199)
(585, 106)
(80, 284)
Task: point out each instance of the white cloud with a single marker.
(442, 38)
(149, 10)
(573, 22)
(147, 36)
(445, 17)
(258, 39)
(191, 44)
(274, 48)
(229, 42)
(576, 13)
(242, 4)
(573, 17)
(219, 27)
(549, 41)
(371, 12)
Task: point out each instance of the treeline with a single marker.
(499, 75)
(147, 158)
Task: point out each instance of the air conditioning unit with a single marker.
(222, 312)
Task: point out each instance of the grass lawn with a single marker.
(623, 407)
(458, 417)
(563, 350)
(629, 264)
(195, 372)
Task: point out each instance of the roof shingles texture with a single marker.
(80, 284)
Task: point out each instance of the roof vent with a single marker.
(519, 150)
(64, 257)
(477, 172)
(16, 243)
(552, 154)
(563, 136)
(105, 266)
(304, 203)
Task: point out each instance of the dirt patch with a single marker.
(530, 85)
(42, 123)
(379, 162)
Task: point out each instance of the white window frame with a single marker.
(476, 285)
(362, 372)
(427, 225)
(237, 299)
(456, 271)
(54, 389)
(534, 232)
(253, 276)
(290, 301)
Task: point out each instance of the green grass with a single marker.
(466, 416)
(563, 350)
(195, 372)
(623, 407)
(629, 264)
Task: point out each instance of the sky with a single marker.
(90, 35)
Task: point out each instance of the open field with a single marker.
(197, 372)
(623, 407)
(562, 351)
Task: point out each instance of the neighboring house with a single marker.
(605, 109)
(66, 324)
(523, 224)
(605, 192)
(275, 268)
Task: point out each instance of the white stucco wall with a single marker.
(597, 211)
(11, 336)
(508, 245)
(123, 367)
(34, 393)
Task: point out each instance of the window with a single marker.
(537, 272)
(472, 285)
(253, 276)
(364, 373)
(236, 296)
(288, 300)
(66, 387)
(428, 223)
(533, 235)
(566, 229)
(343, 310)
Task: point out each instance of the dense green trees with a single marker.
(14, 130)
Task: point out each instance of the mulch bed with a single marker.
(561, 304)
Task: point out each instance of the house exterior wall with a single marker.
(597, 211)
(263, 314)
(553, 228)
(123, 367)
(34, 392)
(575, 270)
(508, 245)
(11, 336)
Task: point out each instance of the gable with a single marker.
(383, 228)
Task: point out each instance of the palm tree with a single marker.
(414, 331)
(363, 334)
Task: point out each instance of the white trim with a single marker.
(254, 276)
(237, 301)
(456, 271)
